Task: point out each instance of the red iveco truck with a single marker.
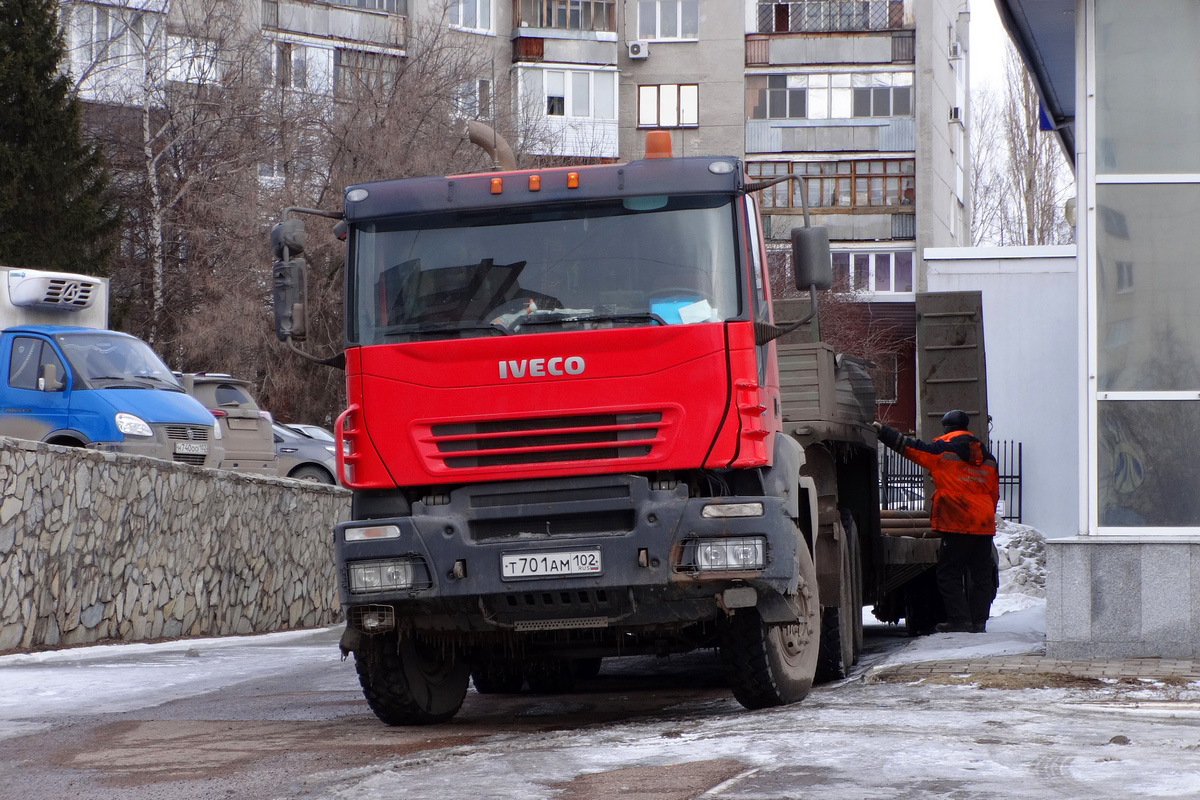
(567, 437)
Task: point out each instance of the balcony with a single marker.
(381, 22)
(833, 16)
(556, 17)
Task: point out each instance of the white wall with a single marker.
(1030, 322)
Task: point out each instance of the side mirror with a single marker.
(287, 234)
(288, 294)
(49, 380)
(811, 260)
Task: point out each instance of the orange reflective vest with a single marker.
(966, 481)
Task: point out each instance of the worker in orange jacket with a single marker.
(966, 487)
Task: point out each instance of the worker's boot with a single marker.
(955, 627)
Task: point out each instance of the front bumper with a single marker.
(645, 539)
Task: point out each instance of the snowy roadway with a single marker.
(280, 716)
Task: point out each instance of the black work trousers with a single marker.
(966, 577)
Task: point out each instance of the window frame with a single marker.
(455, 13)
(658, 90)
(840, 179)
(867, 281)
(679, 5)
(569, 91)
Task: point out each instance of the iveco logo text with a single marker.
(540, 367)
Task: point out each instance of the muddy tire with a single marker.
(409, 682)
(587, 668)
(311, 474)
(498, 677)
(774, 664)
(550, 675)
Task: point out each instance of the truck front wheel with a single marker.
(410, 682)
(773, 664)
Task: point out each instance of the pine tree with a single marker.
(56, 211)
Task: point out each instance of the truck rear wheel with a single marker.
(410, 682)
(774, 664)
(841, 625)
(498, 677)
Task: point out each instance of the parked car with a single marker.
(304, 457)
(245, 428)
(312, 431)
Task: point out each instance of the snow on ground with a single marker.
(122, 677)
(1018, 623)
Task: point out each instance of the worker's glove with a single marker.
(876, 426)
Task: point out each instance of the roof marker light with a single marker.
(572, 180)
(497, 185)
(720, 168)
(356, 195)
(658, 144)
(535, 183)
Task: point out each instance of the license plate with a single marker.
(192, 448)
(542, 564)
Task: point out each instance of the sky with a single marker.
(987, 44)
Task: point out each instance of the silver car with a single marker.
(304, 457)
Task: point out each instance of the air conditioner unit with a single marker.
(956, 114)
(57, 291)
(955, 50)
(639, 49)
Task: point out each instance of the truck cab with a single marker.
(84, 386)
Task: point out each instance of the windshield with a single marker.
(106, 361)
(641, 261)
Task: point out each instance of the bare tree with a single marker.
(1020, 180)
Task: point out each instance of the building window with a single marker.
(109, 35)
(884, 373)
(390, 6)
(474, 15)
(668, 19)
(838, 95)
(815, 16)
(357, 71)
(885, 272)
(1124, 276)
(285, 65)
(473, 99)
(581, 93)
(776, 97)
(884, 183)
(669, 105)
(568, 15)
(883, 101)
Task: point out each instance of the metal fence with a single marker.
(902, 483)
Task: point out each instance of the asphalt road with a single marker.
(644, 728)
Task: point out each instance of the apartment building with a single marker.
(866, 99)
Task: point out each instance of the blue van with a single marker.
(88, 387)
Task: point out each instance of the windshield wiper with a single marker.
(418, 328)
(120, 379)
(549, 318)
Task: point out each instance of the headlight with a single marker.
(330, 448)
(729, 510)
(217, 430)
(131, 425)
(380, 576)
(731, 555)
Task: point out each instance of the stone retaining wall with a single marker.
(98, 546)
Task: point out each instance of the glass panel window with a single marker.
(470, 14)
(1147, 107)
(668, 19)
(853, 184)
(605, 95)
(577, 15)
(903, 276)
(581, 95)
(1141, 446)
(669, 106)
(1146, 278)
(556, 93)
(883, 272)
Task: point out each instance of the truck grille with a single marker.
(545, 440)
(187, 433)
